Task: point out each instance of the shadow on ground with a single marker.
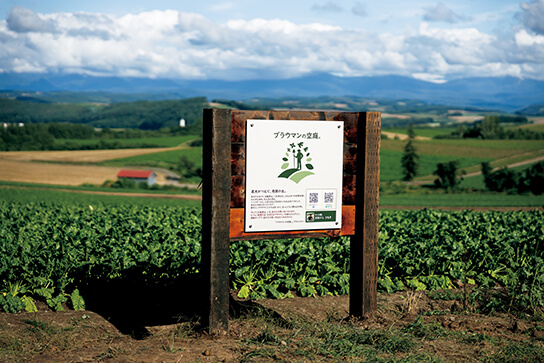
(132, 305)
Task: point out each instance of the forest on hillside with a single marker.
(145, 115)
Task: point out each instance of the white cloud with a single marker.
(533, 15)
(23, 20)
(175, 44)
(359, 9)
(327, 7)
(440, 12)
(525, 39)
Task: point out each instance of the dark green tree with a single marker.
(187, 168)
(500, 180)
(410, 157)
(490, 128)
(533, 179)
(448, 176)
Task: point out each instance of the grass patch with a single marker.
(477, 181)
(333, 340)
(55, 196)
(533, 127)
(425, 132)
(462, 200)
(94, 188)
(517, 352)
(390, 166)
(166, 141)
(164, 158)
(466, 148)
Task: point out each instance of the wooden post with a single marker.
(364, 244)
(216, 182)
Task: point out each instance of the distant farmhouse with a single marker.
(139, 176)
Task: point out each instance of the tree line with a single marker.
(55, 136)
(145, 115)
(490, 128)
(449, 176)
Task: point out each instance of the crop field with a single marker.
(468, 148)
(86, 166)
(88, 196)
(164, 141)
(450, 283)
(77, 156)
(462, 200)
(61, 247)
(169, 157)
(390, 166)
(52, 173)
(425, 132)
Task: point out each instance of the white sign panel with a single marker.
(293, 175)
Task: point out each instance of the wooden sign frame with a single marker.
(224, 198)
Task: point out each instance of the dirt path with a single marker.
(513, 165)
(427, 178)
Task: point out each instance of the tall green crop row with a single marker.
(433, 249)
(48, 250)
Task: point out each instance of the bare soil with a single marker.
(84, 336)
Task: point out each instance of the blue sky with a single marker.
(256, 39)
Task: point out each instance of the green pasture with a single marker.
(425, 132)
(458, 148)
(157, 159)
(390, 166)
(23, 195)
(94, 188)
(26, 195)
(462, 200)
(477, 181)
(167, 141)
(536, 127)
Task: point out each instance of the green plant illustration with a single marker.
(296, 163)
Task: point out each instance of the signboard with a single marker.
(293, 175)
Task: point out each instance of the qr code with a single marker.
(329, 197)
(313, 198)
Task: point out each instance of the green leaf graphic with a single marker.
(287, 173)
(309, 159)
(300, 175)
(284, 166)
(309, 166)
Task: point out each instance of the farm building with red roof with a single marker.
(139, 176)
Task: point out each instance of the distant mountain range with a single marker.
(500, 93)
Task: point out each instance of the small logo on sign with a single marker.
(296, 163)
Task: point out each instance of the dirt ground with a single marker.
(85, 336)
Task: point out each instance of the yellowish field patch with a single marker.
(464, 119)
(391, 115)
(393, 135)
(60, 174)
(86, 156)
